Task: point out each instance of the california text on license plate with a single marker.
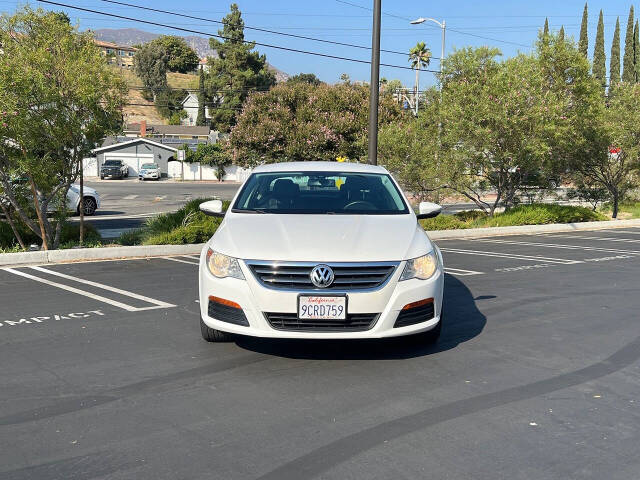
(322, 307)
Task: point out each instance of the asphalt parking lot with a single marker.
(536, 376)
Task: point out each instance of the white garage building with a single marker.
(136, 152)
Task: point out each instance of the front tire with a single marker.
(89, 205)
(213, 335)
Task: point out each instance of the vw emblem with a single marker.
(322, 276)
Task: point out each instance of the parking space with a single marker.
(537, 375)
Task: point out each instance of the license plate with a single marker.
(322, 307)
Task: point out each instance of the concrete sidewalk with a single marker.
(143, 251)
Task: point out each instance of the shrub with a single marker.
(444, 222)
(69, 235)
(540, 214)
(186, 225)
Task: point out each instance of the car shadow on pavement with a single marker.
(462, 322)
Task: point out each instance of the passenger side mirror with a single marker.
(212, 208)
(428, 210)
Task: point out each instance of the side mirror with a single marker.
(428, 210)
(212, 208)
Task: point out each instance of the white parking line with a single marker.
(195, 257)
(558, 245)
(585, 237)
(460, 272)
(511, 255)
(158, 303)
(634, 232)
(93, 296)
(179, 260)
(130, 197)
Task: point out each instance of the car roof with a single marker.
(319, 167)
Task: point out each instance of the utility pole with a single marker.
(374, 85)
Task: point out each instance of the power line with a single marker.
(303, 37)
(430, 25)
(278, 47)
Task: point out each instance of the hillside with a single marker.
(137, 110)
(134, 36)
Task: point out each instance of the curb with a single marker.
(531, 229)
(89, 254)
(146, 251)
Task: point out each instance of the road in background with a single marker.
(126, 204)
(104, 375)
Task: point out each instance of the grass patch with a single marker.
(187, 225)
(535, 214)
(68, 237)
(626, 209)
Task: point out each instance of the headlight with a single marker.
(422, 267)
(222, 266)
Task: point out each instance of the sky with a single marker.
(512, 26)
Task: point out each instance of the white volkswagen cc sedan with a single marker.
(320, 250)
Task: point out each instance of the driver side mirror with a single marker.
(212, 208)
(428, 210)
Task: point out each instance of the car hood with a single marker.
(321, 238)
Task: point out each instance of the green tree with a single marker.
(614, 63)
(168, 103)
(583, 45)
(419, 58)
(599, 58)
(214, 155)
(181, 57)
(150, 64)
(58, 99)
(305, 77)
(608, 152)
(561, 34)
(235, 72)
(636, 50)
(545, 30)
(495, 116)
(202, 98)
(299, 121)
(628, 63)
(409, 147)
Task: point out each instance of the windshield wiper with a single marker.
(250, 210)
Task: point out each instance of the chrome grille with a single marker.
(355, 322)
(296, 275)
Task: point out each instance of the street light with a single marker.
(443, 27)
(374, 87)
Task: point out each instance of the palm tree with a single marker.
(419, 57)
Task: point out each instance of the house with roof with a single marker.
(134, 152)
(191, 105)
(119, 55)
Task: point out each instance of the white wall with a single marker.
(192, 172)
(90, 167)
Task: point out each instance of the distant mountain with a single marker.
(134, 36)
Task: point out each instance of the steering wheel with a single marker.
(360, 204)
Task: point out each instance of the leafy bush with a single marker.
(186, 225)
(444, 222)
(68, 237)
(536, 214)
(540, 214)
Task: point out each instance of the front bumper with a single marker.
(255, 300)
(152, 175)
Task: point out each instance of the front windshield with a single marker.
(149, 165)
(320, 193)
(112, 163)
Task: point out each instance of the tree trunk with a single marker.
(14, 229)
(615, 204)
(36, 202)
